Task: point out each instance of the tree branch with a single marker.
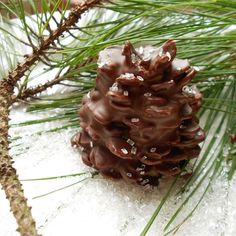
(31, 92)
(8, 176)
(72, 19)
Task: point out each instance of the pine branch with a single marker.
(31, 92)
(8, 176)
(30, 60)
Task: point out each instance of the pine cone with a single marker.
(138, 123)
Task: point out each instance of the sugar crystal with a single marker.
(124, 150)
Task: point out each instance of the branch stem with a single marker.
(8, 176)
(32, 58)
(31, 92)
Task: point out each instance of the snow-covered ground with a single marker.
(98, 206)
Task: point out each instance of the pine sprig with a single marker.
(8, 176)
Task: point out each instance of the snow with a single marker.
(98, 206)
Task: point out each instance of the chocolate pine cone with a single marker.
(139, 122)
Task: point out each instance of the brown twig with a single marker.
(72, 19)
(31, 92)
(8, 176)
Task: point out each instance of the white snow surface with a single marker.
(99, 206)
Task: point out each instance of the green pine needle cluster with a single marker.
(205, 34)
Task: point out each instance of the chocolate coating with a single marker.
(139, 122)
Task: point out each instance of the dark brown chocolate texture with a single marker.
(139, 122)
